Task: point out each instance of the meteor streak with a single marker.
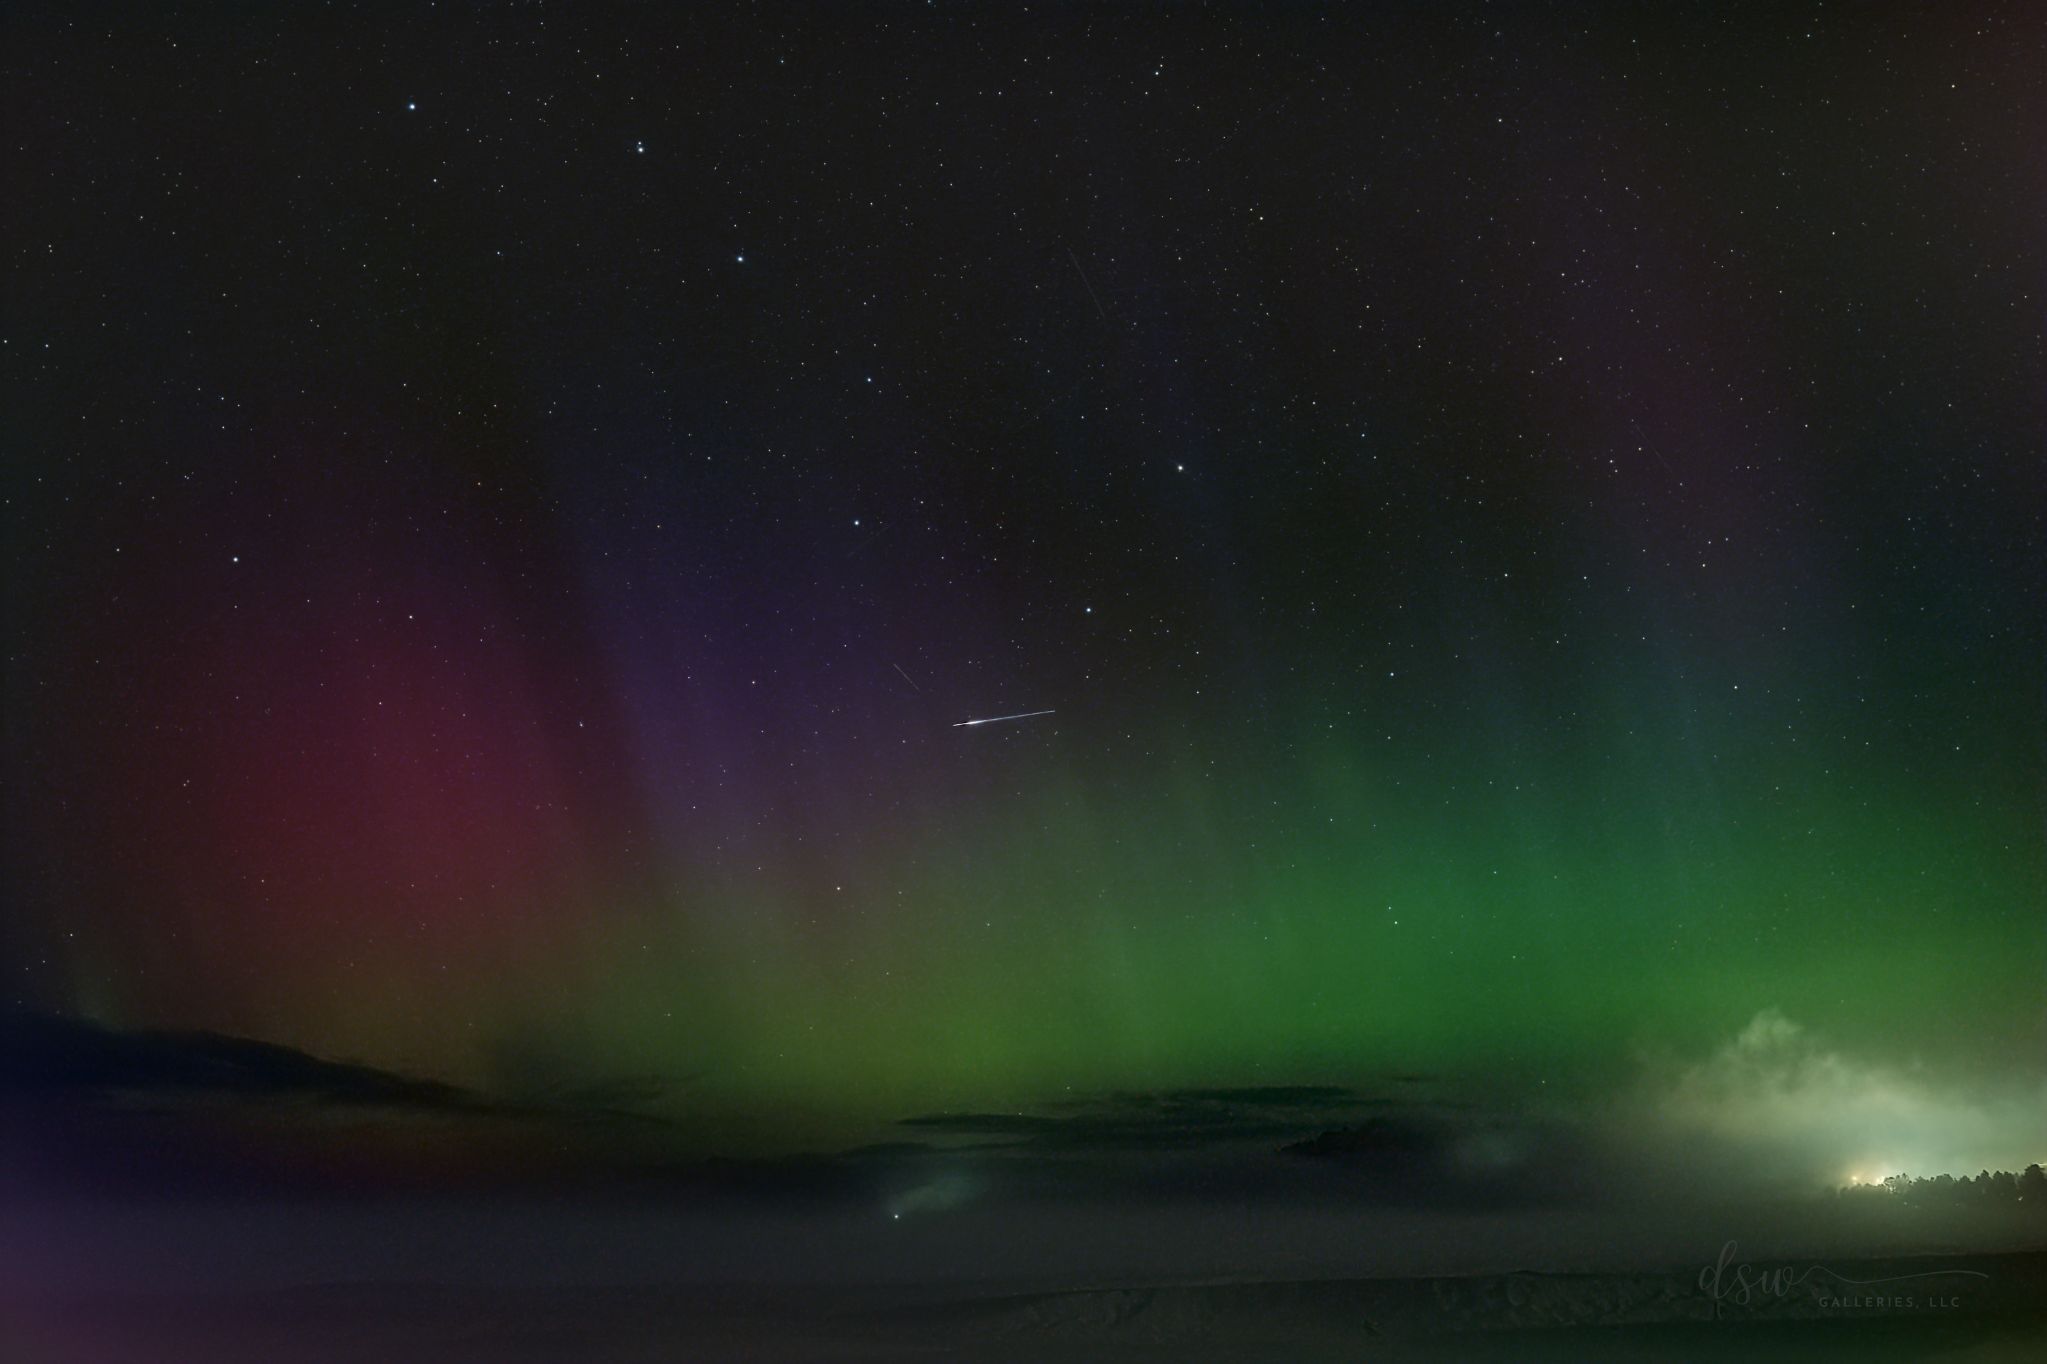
(998, 719)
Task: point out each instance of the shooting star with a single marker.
(998, 719)
(906, 677)
(1085, 285)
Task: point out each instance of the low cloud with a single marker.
(1778, 1105)
(45, 1057)
(1175, 1118)
(49, 1058)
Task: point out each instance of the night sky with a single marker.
(1527, 522)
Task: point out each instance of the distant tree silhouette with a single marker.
(2001, 1189)
(2033, 1187)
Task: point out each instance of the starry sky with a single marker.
(1527, 521)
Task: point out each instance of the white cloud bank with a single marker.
(1777, 1105)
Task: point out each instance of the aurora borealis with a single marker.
(1530, 532)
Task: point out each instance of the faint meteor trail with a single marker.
(1091, 294)
(998, 719)
(906, 677)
